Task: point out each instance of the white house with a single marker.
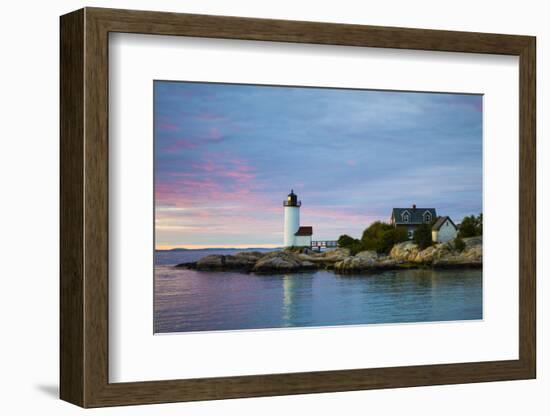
(302, 237)
(444, 230)
(294, 235)
(411, 218)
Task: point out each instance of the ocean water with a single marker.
(189, 300)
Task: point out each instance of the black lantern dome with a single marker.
(292, 200)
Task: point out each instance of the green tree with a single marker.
(353, 244)
(381, 237)
(423, 236)
(346, 241)
(356, 247)
(376, 237)
(479, 224)
(471, 226)
(400, 235)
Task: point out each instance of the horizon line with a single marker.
(215, 246)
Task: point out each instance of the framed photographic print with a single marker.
(255, 207)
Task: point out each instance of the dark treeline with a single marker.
(381, 236)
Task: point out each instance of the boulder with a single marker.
(363, 260)
(426, 256)
(432, 253)
(406, 251)
(188, 265)
(241, 261)
(212, 261)
(367, 255)
(456, 261)
(473, 241)
(474, 253)
(299, 250)
(326, 258)
(471, 256)
(282, 262)
(248, 256)
(387, 262)
(336, 254)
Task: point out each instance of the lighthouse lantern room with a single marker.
(294, 235)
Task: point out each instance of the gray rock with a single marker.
(336, 254)
(471, 256)
(402, 255)
(327, 258)
(241, 261)
(364, 260)
(406, 251)
(473, 241)
(408, 255)
(281, 262)
(367, 255)
(212, 261)
(425, 256)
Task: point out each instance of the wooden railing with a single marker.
(324, 244)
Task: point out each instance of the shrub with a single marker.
(400, 235)
(381, 237)
(353, 244)
(459, 243)
(423, 236)
(356, 247)
(376, 237)
(346, 241)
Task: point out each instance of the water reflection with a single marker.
(295, 286)
(187, 300)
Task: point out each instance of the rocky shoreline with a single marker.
(405, 255)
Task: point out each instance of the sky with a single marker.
(227, 155)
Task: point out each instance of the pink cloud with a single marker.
(214, 134)
(168, 126)
(206, 166)
(220, 197)
(174, 145)
(240, 175)
(180, 144)
(206, 116)
(340, 217)
(215, 178)
(240, 170)
(183, 192)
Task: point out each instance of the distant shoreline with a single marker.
(217, 248)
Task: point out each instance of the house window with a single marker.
(427, 217)
(406, 217)
(411, 234)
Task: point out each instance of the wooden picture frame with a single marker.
(84, 207)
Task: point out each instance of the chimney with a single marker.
(414, 206)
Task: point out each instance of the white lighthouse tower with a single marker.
(292, 218)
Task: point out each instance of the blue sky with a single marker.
(227, 155)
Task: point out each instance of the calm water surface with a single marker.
(188, 300)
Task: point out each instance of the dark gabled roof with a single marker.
(440, 221)
(416, 215)
(304, 231)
